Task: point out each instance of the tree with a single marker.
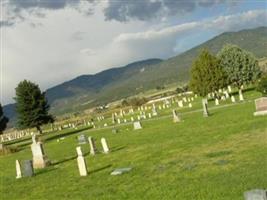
(206, 74)
(3, 120)
(262, 85)
(31, 106)
(241, 66)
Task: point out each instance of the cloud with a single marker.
(163, 43)
(20, 10)
(149, 9)
(88, 52)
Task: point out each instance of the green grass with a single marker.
(214, 158)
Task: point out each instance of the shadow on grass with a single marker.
(218, 154)
(64, 160)
(66, 134)
(100, 169)
(43, 171)
(118, 148)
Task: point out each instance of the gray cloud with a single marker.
(6, 23)
(18, 10)
(147, 9)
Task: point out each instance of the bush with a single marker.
(134, 101)
(262, 85)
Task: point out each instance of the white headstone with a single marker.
(39, 158)
(104, 145)
(81, 162)
(180, 104)
(233, 98)
(190, 105)
(92, 145)
(176, 118)
(229, 89)
(217, 102)
(137, 125)
(18, 169)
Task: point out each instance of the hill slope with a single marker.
(117, 83)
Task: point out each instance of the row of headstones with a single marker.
(14, 135)
(82, 166)
(225, 95)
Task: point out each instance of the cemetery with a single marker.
(133, 99)
(200, 150)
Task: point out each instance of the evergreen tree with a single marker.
(3, 120)
(206, 74)
(31, 106)
(241, 66)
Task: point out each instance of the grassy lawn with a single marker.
(212, 158)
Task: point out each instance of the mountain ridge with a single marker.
(134, 78)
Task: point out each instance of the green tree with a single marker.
(241, 66)
(262, 85)
(206, 74)
(3, 120)
(31, 106)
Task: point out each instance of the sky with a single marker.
(52, 41)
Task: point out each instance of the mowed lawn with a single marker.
(212, 158)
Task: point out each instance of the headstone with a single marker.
(82, 139)
(137, 125)
(229, 89)
(115, 130)
(226, 94)
(18, 169)
(233, 99)
(154, 111)
(241, 98)
(81, 162)
(149, 115)
(180, 104)
(205, 107)
(190, 105)
(113, 119)
(120, 171)
(256, 194)
(28, 168)
(261, 106)
(119, 121)
(93, 149)
(176, 118)
(132, 119)
(217, 102)
(104, 145)
(40, 160)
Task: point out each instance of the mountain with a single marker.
(116, 83)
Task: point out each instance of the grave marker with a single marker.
(104, 145)
(261, 106)
(81, 162)
(137, 125)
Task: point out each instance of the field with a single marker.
(214, 158)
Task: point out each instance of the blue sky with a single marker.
(51, 41)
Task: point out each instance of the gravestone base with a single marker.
(260, 113)
(40, 162)
(256, 194)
